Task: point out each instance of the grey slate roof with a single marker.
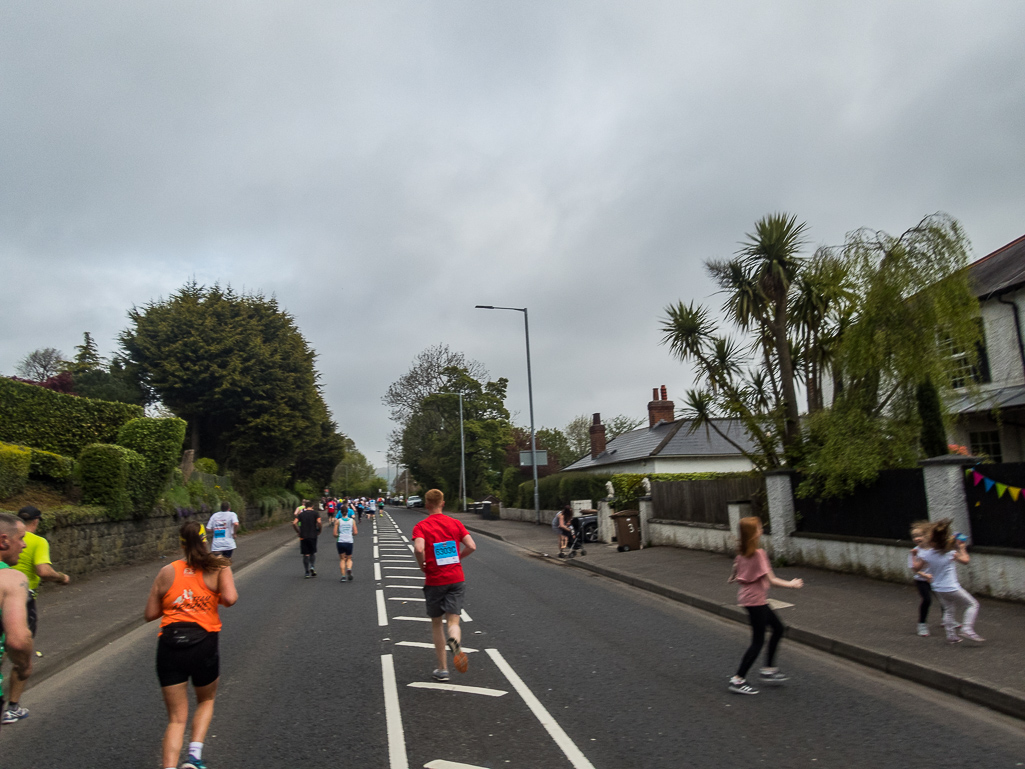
(1005, 397)
(668, 439)
(1001, 271)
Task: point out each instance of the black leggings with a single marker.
(761, 617)
(925, 591)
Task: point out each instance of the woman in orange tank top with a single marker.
(186, 596)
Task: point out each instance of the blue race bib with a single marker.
(446, 553)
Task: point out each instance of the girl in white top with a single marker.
(919, 530)
(937, 564)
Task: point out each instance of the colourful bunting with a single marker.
(989, 484)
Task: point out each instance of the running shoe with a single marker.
(194, 763)
(308, 575)
(313, 572)
(953, 639)
(440, 675)
(13, 715)
(348, 573)
(459, 658)
(742, 688)
(971, 635)
(923, 630)
(343, 579)
(773, 678)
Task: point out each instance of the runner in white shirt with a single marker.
(223, 526)
(345, 531)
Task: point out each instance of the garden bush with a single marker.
(15, 463)
(159, 441)
(47, 466)
(560, 489)
(113, 476)
(206, 465)
(64, 424)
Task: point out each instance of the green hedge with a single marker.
(15, 463)
(560, 489)
(64, 424)
(159, 441)
(48, 466)
(114, 477)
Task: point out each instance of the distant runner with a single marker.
(436, 544)
(345, 530)
(224, 526)
(307, 525)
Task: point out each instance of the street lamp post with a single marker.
(530, 399)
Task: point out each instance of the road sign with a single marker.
(542, 458)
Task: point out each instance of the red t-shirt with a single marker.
(441, 536)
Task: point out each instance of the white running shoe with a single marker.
(923, 630)
(742, 688)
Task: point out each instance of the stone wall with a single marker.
(92, 545)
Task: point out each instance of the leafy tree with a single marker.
(87, 357)
(429, 438)
(578, 433)
(40, 365)
(354, 475)
(236, 368)
(874, 314)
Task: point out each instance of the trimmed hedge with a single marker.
(64, 424)
(48, 466)
(159, 441)
(15, 463)
(113, 476)
(560, 489)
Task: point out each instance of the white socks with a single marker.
(195, 750)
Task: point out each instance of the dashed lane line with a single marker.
(422, 645)
(382, 610)
(457, 688)
(377, 572)
(397, 758)
(557, 733)
(440, 763)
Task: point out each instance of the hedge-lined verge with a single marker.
(64, 424)
(113, 476)
(560, 489)
(47, 466)
(15, 463)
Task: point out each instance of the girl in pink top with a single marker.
(752, 571)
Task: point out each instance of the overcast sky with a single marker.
(382, 167)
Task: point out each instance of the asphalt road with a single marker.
(571, 670)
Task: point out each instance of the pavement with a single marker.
(864, 620)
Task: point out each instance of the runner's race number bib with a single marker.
(446, 553)
(220, 533)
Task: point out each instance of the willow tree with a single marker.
(868, 322)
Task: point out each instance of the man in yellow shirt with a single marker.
(35, 564)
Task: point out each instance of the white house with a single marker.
(990, 416)
(666, 445)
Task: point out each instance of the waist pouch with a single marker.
(181, 635)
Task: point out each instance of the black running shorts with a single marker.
(201, 662)
(307, 546)
(444, 599)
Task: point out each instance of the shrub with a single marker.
(113, 476)
(206, 465)
(160, 442)
(15, 462)
(560, 489)
(64, 424)
(307, 489)
(46, 465)
(511, 487)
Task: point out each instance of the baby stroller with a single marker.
(576, 539)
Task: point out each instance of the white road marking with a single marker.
(397, 758)
(562, 739)
(406, 598)
(377, 553)
(375, 539)
(377, 572)
(457, 688)
(401, 576)
(413, 619)
(405, 568)
(382, 611)
(464, 616)
(422, 645)
(407, 587)
(404, 538)
(443, 764)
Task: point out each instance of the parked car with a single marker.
(414, 502)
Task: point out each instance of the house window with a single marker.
(963, 370)
(986, 442)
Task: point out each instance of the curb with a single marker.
(1006, 701)
(115, 632)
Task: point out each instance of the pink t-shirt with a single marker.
(753, 576)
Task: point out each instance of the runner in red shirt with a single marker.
(436, 543)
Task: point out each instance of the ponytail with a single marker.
(940, 536)
(197, 555)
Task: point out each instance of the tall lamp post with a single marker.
(530, 398)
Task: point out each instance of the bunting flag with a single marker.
(989, 484)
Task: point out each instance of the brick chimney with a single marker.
(597, 431)
(660, 409)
